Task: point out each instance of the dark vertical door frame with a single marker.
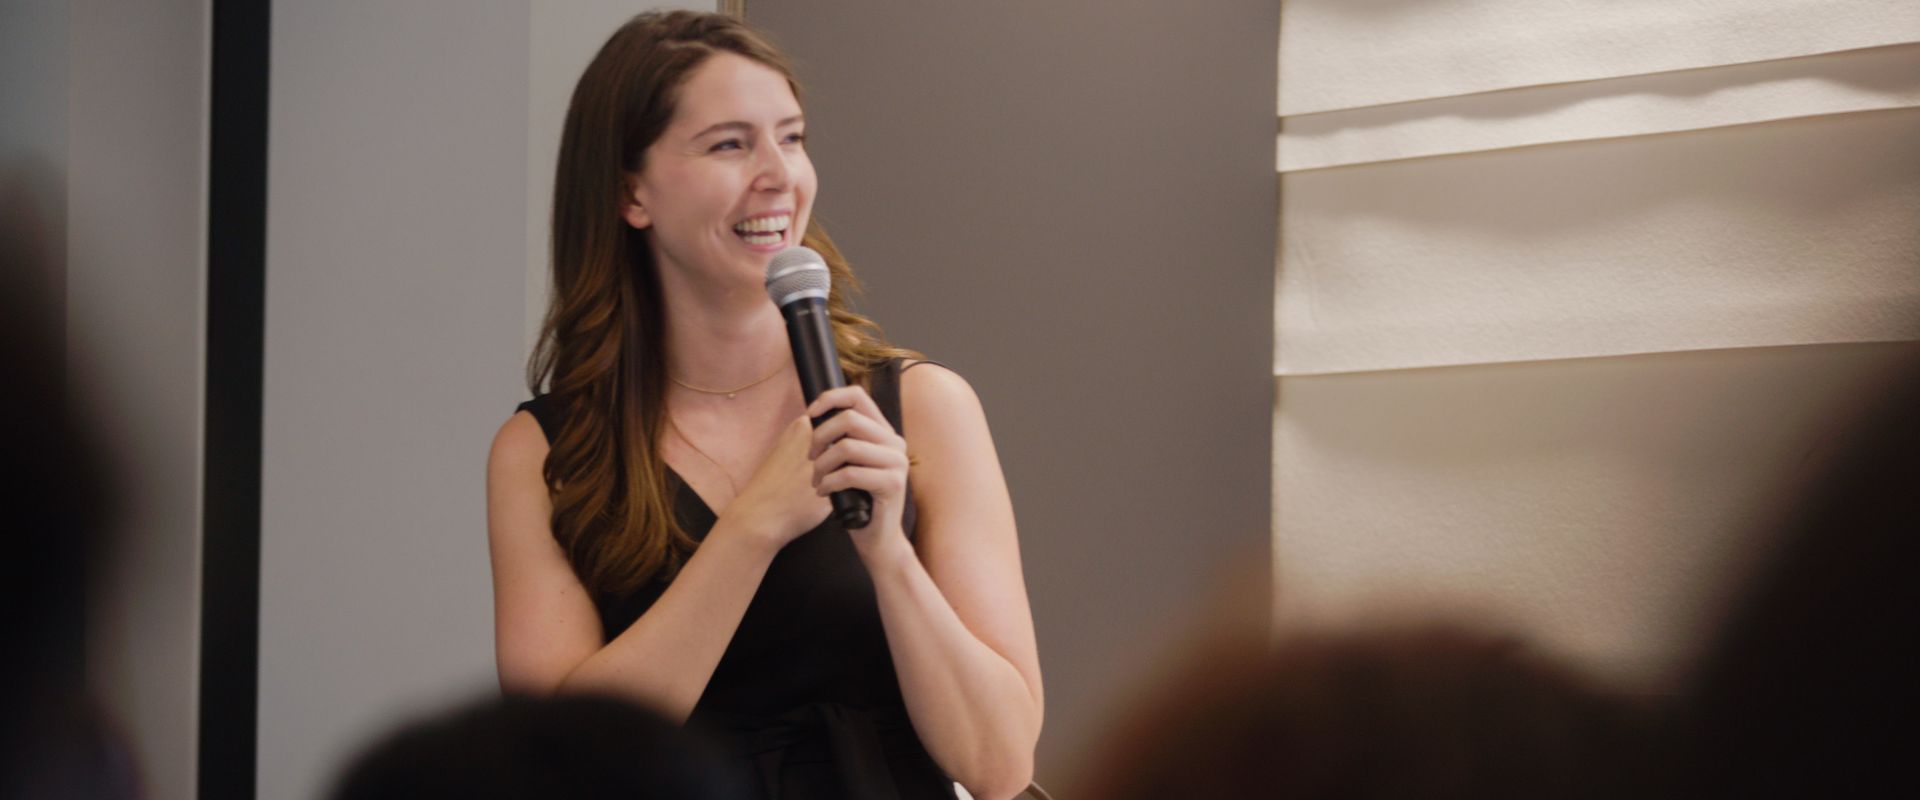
(236, 304)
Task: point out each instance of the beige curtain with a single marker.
(1569, 292)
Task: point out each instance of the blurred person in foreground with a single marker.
(658, 512)
(578, 747)
(1414, 710)
(55, 740)
(1807, 690)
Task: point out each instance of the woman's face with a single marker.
(728, 184)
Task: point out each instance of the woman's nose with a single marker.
(775, 170)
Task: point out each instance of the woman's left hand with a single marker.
(858, 449)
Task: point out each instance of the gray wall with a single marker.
(396, 217)
(1073, 205)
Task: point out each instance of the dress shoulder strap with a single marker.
(884, 384)
(546, 412)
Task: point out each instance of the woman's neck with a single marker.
(722, 339)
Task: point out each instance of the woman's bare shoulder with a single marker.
(519, 444)
(931, 388)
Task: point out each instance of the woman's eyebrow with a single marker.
(745, 127)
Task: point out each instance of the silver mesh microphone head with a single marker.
(797, 272)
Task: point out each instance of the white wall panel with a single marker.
(1349, 53)
(1792, 232)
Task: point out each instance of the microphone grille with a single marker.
(797, 271)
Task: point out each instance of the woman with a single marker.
(657, 519)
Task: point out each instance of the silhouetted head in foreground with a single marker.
(1431, 712)
(1808, 688)
(61, 504)
(571, 746)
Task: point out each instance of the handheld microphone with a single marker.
(797, 282)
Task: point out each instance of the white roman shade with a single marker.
(1567, 293)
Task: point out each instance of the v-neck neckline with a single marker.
(683, 486)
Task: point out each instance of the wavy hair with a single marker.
(600, 349)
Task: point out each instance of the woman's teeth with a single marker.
(763, 230)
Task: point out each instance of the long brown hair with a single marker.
(600, 350)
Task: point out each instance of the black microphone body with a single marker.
(810, 332)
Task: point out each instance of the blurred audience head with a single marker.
(570, 746)
(60, 499)
(1429, 711)
(1808, 688)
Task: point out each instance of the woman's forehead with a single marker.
(732, 88)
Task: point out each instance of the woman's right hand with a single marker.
(778, 504)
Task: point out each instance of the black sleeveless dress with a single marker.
(805, 694)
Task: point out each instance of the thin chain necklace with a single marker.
(703, 454)
(729, 392)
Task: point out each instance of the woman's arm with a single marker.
(547, 634)
(956, 616)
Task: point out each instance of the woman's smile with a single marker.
(765, 232)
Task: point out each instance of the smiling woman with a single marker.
(657, 513)
(742, 179)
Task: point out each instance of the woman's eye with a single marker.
(796, 138)
(726, 144)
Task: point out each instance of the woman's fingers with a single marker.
(846, 397)
(879, 482)
(846, 425)
(857, 448)
(857, 453)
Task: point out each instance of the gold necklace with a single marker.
(729, 392)
(703, 454)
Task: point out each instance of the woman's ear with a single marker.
(633, 207)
